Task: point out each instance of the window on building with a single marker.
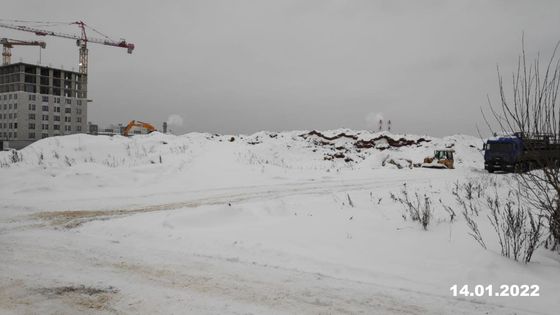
(10, 96)
(57, 100)
(57, 109)
(32, 98)
(15, 96)
(68, 101)
(15, 115)
(31, 135)
(31, 126)
(10, 116)
(67, 119)
(44, 135)
(45, 108)
(56, 118)
(67, 128)
(15, 125)
(31, 116)
(15, 105)
(45, 117)
(56, 127)
(10, 126)
(9, 106)
(15, 135)
(45, 126)
(32, 107)
(79, 119)
(78, 128)
(45, 98)
(68, 110)
(79, 102)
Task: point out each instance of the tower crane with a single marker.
(8, 44)
(82, 40)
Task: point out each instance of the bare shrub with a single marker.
(425, 212)
(417, 208)
(467, 206)
(15, 156)
(350, 203)
(475, 232)
(533, 109)
(467, 195)
(519, 231)
(449, 210)
(68, 161)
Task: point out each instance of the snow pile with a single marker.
(109, 151)
(293, 150)
(292, 222)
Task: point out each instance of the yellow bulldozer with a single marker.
(440, 159)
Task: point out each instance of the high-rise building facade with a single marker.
(38, 102)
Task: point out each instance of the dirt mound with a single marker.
(81, 296)
(381, 142)
(401, 142)
(320, 135)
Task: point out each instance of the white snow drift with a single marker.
(288, 222)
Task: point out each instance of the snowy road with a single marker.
(195, 284)
(50, 267)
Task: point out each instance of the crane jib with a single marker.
(39, 32)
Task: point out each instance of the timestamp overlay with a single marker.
(490, 290)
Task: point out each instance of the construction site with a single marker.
(39, 101)
(288, 190)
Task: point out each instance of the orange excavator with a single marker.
(136, 123)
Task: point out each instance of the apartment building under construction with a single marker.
(38, 102)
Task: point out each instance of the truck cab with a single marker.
(503, 153)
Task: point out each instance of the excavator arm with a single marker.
(137, 123)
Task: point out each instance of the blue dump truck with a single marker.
(521, 153)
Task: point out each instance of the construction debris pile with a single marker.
(344, 144)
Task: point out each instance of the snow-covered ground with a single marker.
(270, 223)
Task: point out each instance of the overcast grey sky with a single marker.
(239, 66)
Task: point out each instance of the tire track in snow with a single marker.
(74, 218)
(273, 289)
